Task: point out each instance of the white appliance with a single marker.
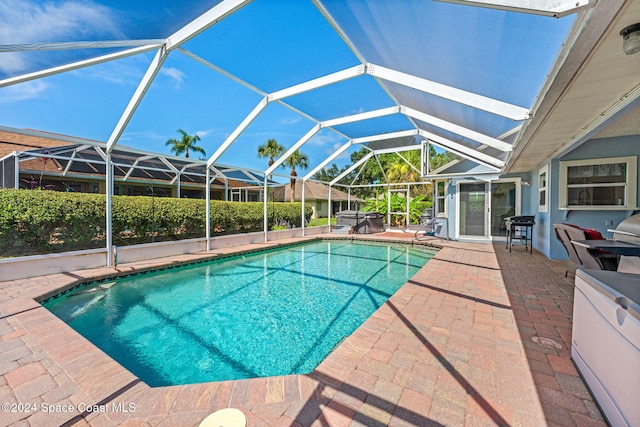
(606, 341)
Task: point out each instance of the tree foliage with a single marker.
(270, 150)
(417, 206)
(297, 159)
(185, 143)
(396, 170)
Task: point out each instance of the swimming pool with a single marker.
(275, 312)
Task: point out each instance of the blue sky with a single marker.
(269, 44)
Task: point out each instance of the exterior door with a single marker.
(504, 203)
(483, 207)
(473, 209)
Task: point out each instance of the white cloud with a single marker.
(173, 74)
(336, 147)
(21, 92)
(291, 120)
(26, 21)
(204, 133)
(143, 135)
(326, 138)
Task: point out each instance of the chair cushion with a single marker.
(592, 234)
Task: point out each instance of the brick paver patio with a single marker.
(478, 337)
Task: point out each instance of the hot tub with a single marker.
(361, 222)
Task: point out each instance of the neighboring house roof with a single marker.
(67, 158)
(312, 191)
(10, 142)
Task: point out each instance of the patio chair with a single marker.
(581, 256)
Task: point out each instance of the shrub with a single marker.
(36, 222)
(417, 206)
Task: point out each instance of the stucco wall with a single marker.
(600, 220)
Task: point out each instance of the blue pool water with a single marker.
(276, 312)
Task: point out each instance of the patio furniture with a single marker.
(625, 244)
(582, 256)
(520, 227)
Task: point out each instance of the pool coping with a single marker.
(65, 368)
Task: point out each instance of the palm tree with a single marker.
(296, 160)
(400, 171)
(271, 149)
(188, 142)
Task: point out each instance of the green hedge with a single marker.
(36, 222)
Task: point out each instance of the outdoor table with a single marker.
(613, 246)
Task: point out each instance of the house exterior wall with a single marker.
(320, 208)
(599, 219)
(544, 239)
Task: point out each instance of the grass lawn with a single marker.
(314, 222)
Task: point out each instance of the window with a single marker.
(543, 185)
(441, 197)
(598, 183)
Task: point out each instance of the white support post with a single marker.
(208, 19)
(226, 189)
(348, 171)
(329, 159)
(303, 225)
(69, 163)
(207, 189)
(75, 65)
(462, 150)
(317, 83)
(408, 162)
(329, 209)
(135, 100)
(383, 136)
(178, 189)
(388, 207)
(384, 175)
(291, 150)
(479, 102)
(266, 211)
(397, 149)
(16, 172)
(238, 130)
(426, 163)
(460, 130)
(349, 198)
(408, 207)
(361, 116)
(109, 209)
(551, 8)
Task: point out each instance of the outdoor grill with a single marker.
(628, 232)
(361, 222)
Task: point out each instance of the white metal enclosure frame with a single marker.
(469, 143)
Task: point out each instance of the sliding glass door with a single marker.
(503, 205)
(483, 207)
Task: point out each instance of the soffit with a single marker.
(606, 76)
